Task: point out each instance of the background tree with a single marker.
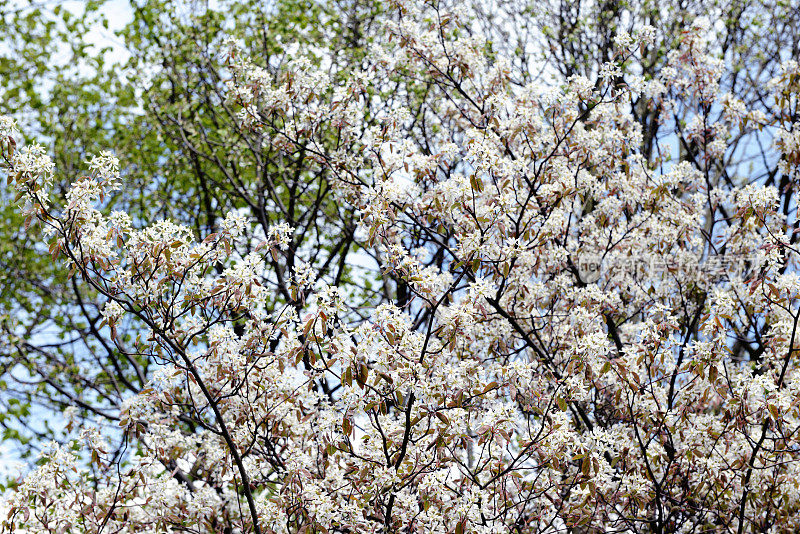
(187, 156)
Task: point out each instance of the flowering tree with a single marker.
(187, 159)
(579, 331)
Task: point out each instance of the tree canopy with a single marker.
(408, 266)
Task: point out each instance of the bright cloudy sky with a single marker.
(118, 13)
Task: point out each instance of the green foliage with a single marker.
(165, 112)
